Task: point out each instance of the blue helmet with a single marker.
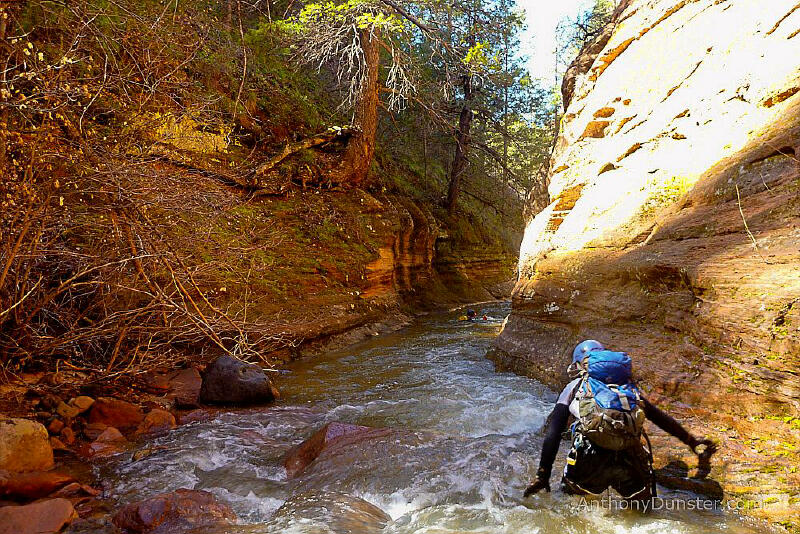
(585, 347)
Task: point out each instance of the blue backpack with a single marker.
(608, 401)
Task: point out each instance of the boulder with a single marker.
(231, 381)
(175, 512)
(24, 446)
(114, 412)
(43, 517)
(109, 442)
(30, 486)
(156, 422)
(332, 512)
(332, 434)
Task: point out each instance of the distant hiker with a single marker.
(485, 317)
(609, 445)
(471, 314)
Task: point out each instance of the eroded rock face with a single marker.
(231, 381)
(180, 511)
(672, 232)
(24, 446)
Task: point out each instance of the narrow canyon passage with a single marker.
(463, 444)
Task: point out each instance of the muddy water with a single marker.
(466, 444)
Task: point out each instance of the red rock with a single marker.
(55, 426)
(116, 413)
(43, 517)
(156, 422)
(67, 411)
(174, 512)
(82, 403)
(76, 490)
(198, 416)
(24, 446)
(68, 435)
(331, 434)
(110, 442)
(185, 387)
(30, 486)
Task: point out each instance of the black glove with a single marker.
(541, 482)
(703, 448)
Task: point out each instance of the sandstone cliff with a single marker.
(673, 229)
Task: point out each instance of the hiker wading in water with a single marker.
(609, 445)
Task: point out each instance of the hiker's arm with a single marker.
(669, 425)
(558, 424)
(666, 422)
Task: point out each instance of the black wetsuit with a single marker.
(594, 469)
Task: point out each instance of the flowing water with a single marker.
(464, 445)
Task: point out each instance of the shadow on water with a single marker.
(464, 444)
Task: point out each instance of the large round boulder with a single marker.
(171, 513)
(231, 381)
(24, 446)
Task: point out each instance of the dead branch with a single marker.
(309, 142)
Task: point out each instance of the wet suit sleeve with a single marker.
(558, 424)
(667, 423)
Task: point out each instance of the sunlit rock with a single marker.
(24, 446)
(674, 234)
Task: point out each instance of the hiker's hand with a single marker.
(536, 486)
(704, 449)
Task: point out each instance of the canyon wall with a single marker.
(421, 265)
(672, 230)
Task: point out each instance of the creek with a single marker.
(467, 443)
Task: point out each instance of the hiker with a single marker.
(470, 316)
(609, 445)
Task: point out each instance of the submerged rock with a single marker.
(332, 512)
(301, 456)
(44, 517)
(24, 446)
(109, 442)
(231, 381)
(175, 512)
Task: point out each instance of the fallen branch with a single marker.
(291, 148)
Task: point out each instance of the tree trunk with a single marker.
(361, 148)
(463, 140)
